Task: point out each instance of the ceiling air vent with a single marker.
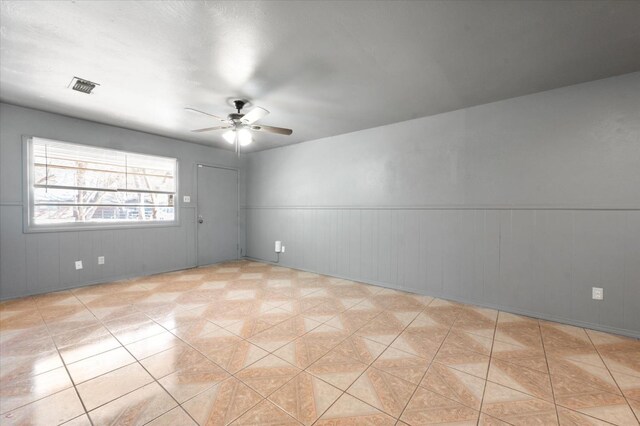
(81, 85)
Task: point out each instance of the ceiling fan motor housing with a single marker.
(239, 103)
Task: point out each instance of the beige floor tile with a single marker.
(283, 333)
(247, 327)
(466, 361)
(635, 406)
(19, 320)
(423, 342)
(426, 407)
(79, 421)
(214, 340)
(222, 403)
(88, 348)
(14, 368)
(181, 318)
(628, 384)
(524, 356)
(622, 357)
(573, 418)
(523, 333)
(197, 329)
(402, 364)
(138, 332)
(235, 357)
(385, 327)
(112, 385)
(587, 373)
(173, 359)
(469, 341)
(174, 417)
(557, 335)
(222, 338)
(337, 370)
(305, 397)
(135, 408)
(265, 414)
(146, 347)
(54, 409)
(387, 393)
(592, 401)
(22, 345)
(97, 365)
(399, 302)
(81, 335)
(486, 420)
(16, 393)
(354, 318)
(516, 407)
(360, 348)
(267, 374)
(350, 411)
(190, 381)
(308, 348)
(521, 378)
(122, 323)
(476, 318)
(454, 384)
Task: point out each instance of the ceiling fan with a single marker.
(239, 126)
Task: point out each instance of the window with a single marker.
(74, 185)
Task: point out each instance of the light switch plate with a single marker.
(78, 264)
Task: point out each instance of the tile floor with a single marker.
(247, 343)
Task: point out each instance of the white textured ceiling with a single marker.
(321, 68)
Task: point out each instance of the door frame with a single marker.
(197, 191)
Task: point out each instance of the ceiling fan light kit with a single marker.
(241, 125)
(230, 136)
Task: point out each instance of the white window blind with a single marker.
(73, 183)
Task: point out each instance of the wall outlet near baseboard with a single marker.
(278, 246)
(597, 293)
(100, 260)
(78, 264)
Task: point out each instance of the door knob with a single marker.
(200, 219)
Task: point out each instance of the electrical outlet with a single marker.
(278, 246)
(186, 199)
(78, 264)
(597, 293)
(100, 260)
(282, 249)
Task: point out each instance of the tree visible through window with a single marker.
(73, 183)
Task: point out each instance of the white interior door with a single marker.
(217, 214)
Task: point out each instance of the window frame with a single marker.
(29, 199)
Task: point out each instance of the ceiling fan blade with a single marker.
(271, 129)
(224, 120)
(208, 129)
(254, 115)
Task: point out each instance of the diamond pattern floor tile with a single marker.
(249, 343)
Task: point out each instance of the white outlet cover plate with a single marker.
(597, 293)
(186, 199)
(78, 264)
(100, 260)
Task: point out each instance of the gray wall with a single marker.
(41, 262)
(523, 204)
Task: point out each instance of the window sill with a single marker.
(32, 229)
